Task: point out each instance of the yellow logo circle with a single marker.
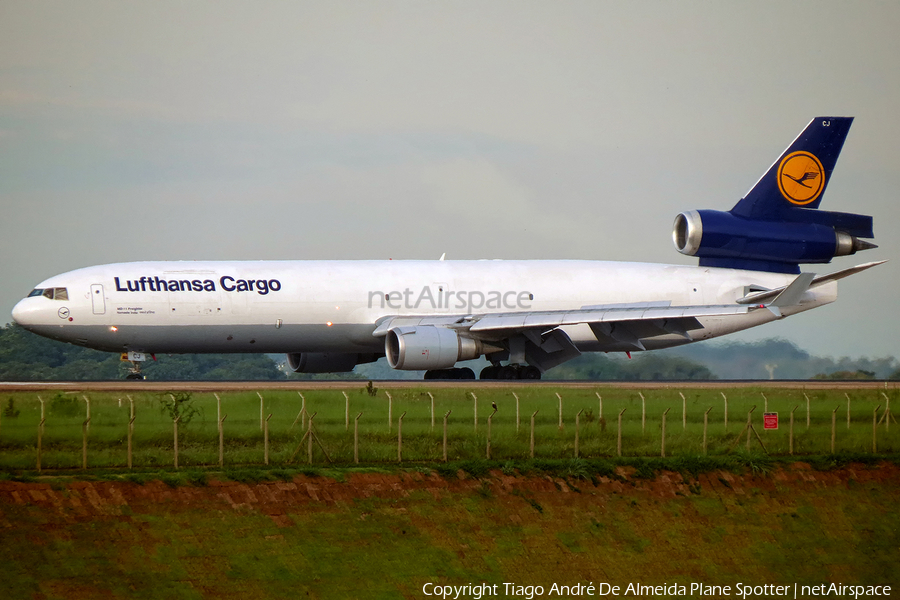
(801, 178)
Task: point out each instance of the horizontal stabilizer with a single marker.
(759, 297)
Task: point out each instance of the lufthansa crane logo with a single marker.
(801, 178)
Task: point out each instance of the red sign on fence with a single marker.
(770, 420)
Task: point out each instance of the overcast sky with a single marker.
(293, 130)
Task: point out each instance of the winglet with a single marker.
(791, 294)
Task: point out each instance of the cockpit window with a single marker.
(51, 293)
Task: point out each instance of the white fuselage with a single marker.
(334, 306)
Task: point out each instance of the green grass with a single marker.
(388, 545)
(65, 413)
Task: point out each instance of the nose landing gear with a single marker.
(135, 358)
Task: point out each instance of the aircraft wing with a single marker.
(537, 338)
(545, 345)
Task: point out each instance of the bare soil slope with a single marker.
(381, 535)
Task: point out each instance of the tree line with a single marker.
(25, 356)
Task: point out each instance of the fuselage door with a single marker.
(98, 301)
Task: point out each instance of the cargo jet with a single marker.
(524, 317)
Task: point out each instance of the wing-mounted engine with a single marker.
(327, 362)
(430, 347)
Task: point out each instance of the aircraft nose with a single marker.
(24, 313)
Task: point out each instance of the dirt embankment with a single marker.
(85, 499)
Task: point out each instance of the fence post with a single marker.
(749, 426)
(261, 410)
(619, 435)
(599, 406)
(516, 396)
(683, 411)
(346, 411)
(662, 450)
(445, 434)
(833, 422)
(400, 437)
(765, 402)
(532, 433)
(432, 410)
(577, 427)
(705, 423)
(309, 437)
(302, 414)
(266, 439)
(643, 413)
(88, 413)
(84, 432)
(875, 429)
(791, 432)
(848, 409)
(130, 431)
(40, 436)
(175, 434)
(390, 411)
(560, 411)
(726, 410)
(490, 423)
(475, 409)
(356, 439)
(807, 410)
(222, 441)
(130, 441)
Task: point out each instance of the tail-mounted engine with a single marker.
(721, 239)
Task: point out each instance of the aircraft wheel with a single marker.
(489, 372)
(507, 372)
(530, 372)
(136, 376)
(465, 373)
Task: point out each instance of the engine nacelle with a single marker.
(427, 347)
(722, 239)
(326, 362)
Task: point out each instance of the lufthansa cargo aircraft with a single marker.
(525, 317)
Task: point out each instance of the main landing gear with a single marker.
(511, 372)
(507, 372)
(465, 373)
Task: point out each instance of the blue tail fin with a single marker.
(777, 226)
(800, 175)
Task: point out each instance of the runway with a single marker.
(231, 386)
